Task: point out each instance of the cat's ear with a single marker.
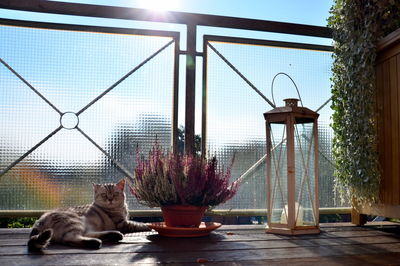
(121, 184)
(95, 187)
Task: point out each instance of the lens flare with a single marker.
(159, 5)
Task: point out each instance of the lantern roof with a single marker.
(301, 114)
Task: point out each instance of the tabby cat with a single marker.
(106, 219)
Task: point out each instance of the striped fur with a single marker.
(87, 226)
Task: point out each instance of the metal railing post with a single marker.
(190, 88)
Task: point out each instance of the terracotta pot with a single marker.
(183, 215)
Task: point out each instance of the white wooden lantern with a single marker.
(292, 169)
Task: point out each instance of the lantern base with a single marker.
(288, 231)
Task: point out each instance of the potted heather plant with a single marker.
(184, 186)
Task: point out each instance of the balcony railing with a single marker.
(76, 100)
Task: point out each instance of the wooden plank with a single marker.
(225, 239)
(388, 111)
(386, 54)
(384, 210)
(395, 158)
(380, 123)
(244, 229)
(357, 218)
(387, 166)
(7, 237)
(230, 244)
(246, 232)
(374, 259)
(398, 115)
(14, 231)
(163, 245)
(291, 173)
(388, 40)
(249, 254)
(344, 225)
(239, 233)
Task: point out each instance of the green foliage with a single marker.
(357, 26)
(394, 220)
(330, 218)
(181, 141)
(25, 222)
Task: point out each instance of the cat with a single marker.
(106, 219)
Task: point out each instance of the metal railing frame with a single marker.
(192, 21)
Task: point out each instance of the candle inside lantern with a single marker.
(299, 211)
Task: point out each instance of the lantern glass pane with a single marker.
(278, 174)
(305, 175)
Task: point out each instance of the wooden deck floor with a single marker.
(338, 244)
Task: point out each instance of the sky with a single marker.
(313, 12)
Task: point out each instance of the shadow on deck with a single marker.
(338, 244)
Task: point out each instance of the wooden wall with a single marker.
(388, 116)
(388, 111)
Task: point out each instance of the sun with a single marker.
(159, 5)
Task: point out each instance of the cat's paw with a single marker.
(141, 227)
(146, 228)
(45, 235)
(114, 236)
(92, 243)
(40, 241)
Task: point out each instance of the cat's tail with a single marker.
(38, 241)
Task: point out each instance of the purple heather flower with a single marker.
(194, 180)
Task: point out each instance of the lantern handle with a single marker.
(294, 83)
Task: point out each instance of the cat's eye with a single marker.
(116, 194)
(103, 195)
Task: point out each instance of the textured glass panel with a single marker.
(25, 119)
(327, 196)
(135, 113)
(279, 184)
(97, 116)
(305, 174)
(235, 122)
(58, 173)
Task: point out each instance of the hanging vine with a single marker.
(357, 26)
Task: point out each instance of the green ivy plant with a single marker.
(357, 26)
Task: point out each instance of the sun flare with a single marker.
(160, 5)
